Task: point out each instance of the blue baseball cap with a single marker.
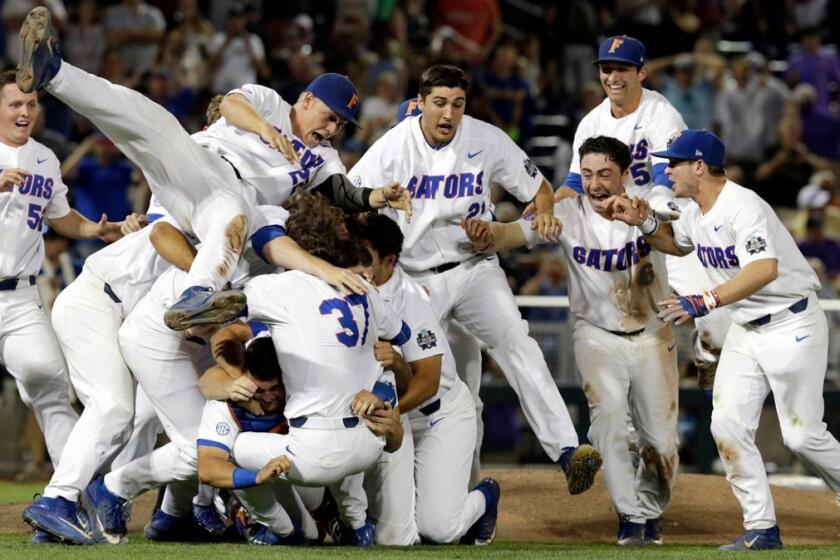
(338, 93)
(408, 108)
(621, 48)
(695, 145)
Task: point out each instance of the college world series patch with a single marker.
(530, 167)
(756, 244)
(426, 339)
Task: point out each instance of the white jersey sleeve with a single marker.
(264, 100)
(426, 332)
(372, 167)
(513, 170)
(58, 207)
(683, 236)
(390, 326)
(218, 428)
(754, 239)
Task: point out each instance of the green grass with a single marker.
(17, 546)
(19, 492)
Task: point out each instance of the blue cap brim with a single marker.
(667, 154)
(618, 59)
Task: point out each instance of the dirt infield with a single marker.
(536, 507)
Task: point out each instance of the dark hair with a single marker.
(7, 77)
(442, 75)
(615, 150)
(213, 112)
(315, 224)
(383, 234)
(716, 170)
(261, 360)
(349, 253)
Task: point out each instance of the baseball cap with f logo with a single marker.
(616, 42)
(338, 93)
(622, 48)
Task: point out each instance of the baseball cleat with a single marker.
(208, 520)
(41, 537)
(59, 518)
(580, 464)
(40, 57)
(199, 305)
(653, 531)
(757, 539)
(106, 512)
(163, 527)
(363, 536)
(630, 534)
(484, 528)
(259, 534)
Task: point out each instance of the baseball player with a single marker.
(210, 182)
(449, 161)
(646, 121)
(32, 191)
(778, 340)
(86, 317)
(624, 353)
(437, 402)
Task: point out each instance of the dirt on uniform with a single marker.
(536, 507)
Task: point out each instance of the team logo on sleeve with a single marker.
(357, 180)
(222, 428)
(426, 339)
(756, 244)
(530, 167)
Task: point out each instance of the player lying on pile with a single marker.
(625, 354)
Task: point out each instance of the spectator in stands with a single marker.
(550, 280)
(820, 127)
(84, 42)
(303, 66)
(377, 113)
(476, 24)
(164, 88)
(814, 65)
(348, 39)
(819, 192)
(54, 140)
(747, 113)
(237, 55)
(507, 94)
(136, 29)
(817, 245)
(790, 168)
(693, 88)
(187, 45)
(14, 12)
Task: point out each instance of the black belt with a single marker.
(108, 290)
(235, 170)
(10, 284)
(431, 408)
(445, 266)
(797, 307)
(631, 333)
(349, 422)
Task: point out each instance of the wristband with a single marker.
(711, 299)
(650, 225)
(243, 478)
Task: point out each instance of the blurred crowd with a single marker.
(763, 74)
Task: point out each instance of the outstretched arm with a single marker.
(488, 237)
(637, 212)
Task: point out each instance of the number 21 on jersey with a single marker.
(344, 309)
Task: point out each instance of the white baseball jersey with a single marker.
(447, 184)
(324, 341)
(223, 421)
(261, 165)
(647, 129)
(24, 207)
(741, 228)
(411, 301)
(131, 265)
(615, 277)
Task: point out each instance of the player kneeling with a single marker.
(625, 354)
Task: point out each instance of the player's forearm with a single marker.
(286, 253)
(424, 382)
(239, 112)
(663, 241)
(172, 245)
(347, 196)
(544, 199)
(394, 439)
(75, 226)
(507, 236)
(226, 345)
(215, 471)
(564, 192)
(214, 384)
(751, 279)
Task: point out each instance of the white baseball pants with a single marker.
(196, 186)
(477, 295)
(280, 507)
(443, 456)
(788, 356)
(87, 323)
(635, 376)
(167, 366)
(29, 351)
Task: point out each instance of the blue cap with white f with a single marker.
(623, 49)
(338, 93)
(695, 145)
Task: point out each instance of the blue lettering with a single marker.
(479, 181)
(579, 254)
(450, 189)
(412, 186)
(594, 260)
(434, 182)
(48, 188)
(608, 258)
(38, 185)
(632, 255)
(720, 258)
(466, 186)
(710, 257)
(26, 185)
(732, 257)
(621, 260)
(423, 189)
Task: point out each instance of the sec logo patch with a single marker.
(222, 429)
